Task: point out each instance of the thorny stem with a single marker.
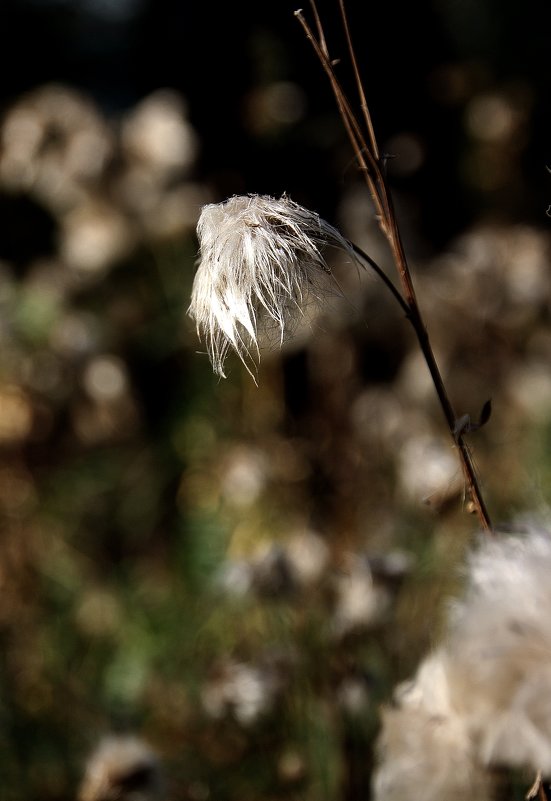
(372, 167)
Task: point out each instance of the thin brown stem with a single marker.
(317, 20)
(473, 488)
(363, 101)
(414, 318)
(362, 256)
(366, 151)
(369, 166)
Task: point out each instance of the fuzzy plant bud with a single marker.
(261, 261)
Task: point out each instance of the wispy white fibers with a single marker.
(261, 260)
(483, 700)
(499, 648)
(424, 749)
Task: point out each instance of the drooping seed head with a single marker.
(261, 262)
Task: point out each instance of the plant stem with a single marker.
(412, 313)
(471, 480)
(372, 167)
(362, 256)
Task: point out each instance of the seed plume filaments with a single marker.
(261, 260)
(483, 699)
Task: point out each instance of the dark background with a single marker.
(146, 551)
(217, 53)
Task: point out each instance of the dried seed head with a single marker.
(483, 700)
(499, 647)
(261, 260)
(425, 753)
(122, 769)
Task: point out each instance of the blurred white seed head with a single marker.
(244, 690)
(499, 648)
(261, 261)
(122, 768)
(484, 699)
(359, 602)
(424, 748)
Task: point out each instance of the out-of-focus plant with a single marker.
(236, 573)
(261, 260)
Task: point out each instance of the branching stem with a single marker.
(371, 166)
(362, 256)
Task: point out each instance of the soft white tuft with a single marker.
(499, 648)
(484, 699)
(261, 259)
(424, 747)
(122, 768)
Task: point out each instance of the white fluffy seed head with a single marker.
(261, 261)
(483, 700)
(425, 753)
(499, 648)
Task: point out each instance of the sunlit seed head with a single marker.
(261, 262)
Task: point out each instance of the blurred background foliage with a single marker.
(240, 574)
